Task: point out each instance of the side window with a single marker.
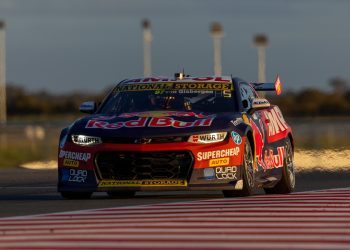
(247, 94)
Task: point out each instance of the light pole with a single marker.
(3, 114)
(147, 39)
(261, 42)
(216, 32)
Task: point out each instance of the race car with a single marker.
(178, 133)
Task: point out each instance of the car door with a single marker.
(258, 125)
(276, 131)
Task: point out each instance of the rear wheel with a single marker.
(119, 194)
(287, 182)
(76, 195)
(247, 174)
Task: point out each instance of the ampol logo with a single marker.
(236, 138)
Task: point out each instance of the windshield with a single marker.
(199, 98)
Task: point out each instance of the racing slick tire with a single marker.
(124, 194)
(287, 183)
(247, 174)
(76, 195)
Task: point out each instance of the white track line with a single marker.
(308, 220)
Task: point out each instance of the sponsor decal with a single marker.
(85, 140)
(137, 123)
(170, 122)
(144, 87)
(208, 138)
(64, 175)
(188, 79)
(260, 101)
(163, 114)
(148, 79)
(157, 122)
(164, 86)
(219, 162)
(78, 156)
(193, 138)
(209, 173)
(217, 154)
(203, 85)
(259, 137)
(70, 163)
(140, 183)
(215, 79)
(237, 121)
(276, 122)
(274, 161)
(77, 175)
(191, 91)
(226, 173)
(143, 141)
(236, 138)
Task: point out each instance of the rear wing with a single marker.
(269, 86)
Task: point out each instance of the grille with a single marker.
(144, 165)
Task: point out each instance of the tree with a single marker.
(339, 85)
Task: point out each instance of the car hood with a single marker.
(153, 124)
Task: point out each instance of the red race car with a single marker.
(180, 133)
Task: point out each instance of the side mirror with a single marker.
(88, 107)
(258, 104)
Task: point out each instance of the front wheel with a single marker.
(247, 174)
(287, 183)
(76, 195)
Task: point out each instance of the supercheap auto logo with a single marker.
(77, 156)
(70, 163)
(218, 154)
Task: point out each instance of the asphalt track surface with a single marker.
(30, 192)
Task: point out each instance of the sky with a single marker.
(87, 45)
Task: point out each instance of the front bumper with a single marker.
(214, 166)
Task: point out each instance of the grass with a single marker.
(15, 156)
(16, 148)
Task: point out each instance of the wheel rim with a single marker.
(290, 164)
(248, 160)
